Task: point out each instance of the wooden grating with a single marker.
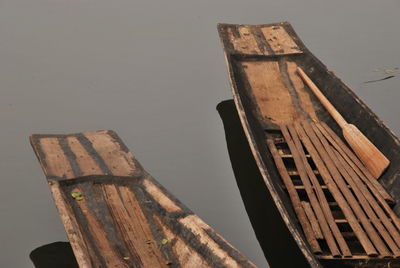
(342, 209)
(116, 215)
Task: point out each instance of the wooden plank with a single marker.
(243, 40)
(365, 199)
(279, 40)
(356, 164)
(349, 197)
(303, 95)
(371, 199)
(375, 187)
(122, 216)
(334, 189)
(327, 234)
(312, 219)
(305, 224)
(270, 91)
(302, 161)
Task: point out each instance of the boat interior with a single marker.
(268, 91)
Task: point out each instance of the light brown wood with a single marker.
(373, 159)
(54, 154)
(312, 219)
(322, 219)
(279, 40)
(122, 202)
(309, 143)
(353, 161)
(376, 188)
(373, 210)
(333, 169)
(270, 91)
(364, 198)
(305, 224)
(245, 43)
(373, 197)
(304, 96)
(320, 194)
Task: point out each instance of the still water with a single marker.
(154, 72)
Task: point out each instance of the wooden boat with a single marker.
(262, 62)
(116, 215)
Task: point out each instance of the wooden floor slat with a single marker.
(350, 192)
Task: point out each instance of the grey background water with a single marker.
(154, 71)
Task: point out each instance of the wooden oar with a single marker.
(372, 158)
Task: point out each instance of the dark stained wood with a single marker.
(268, 93)
(122, 217)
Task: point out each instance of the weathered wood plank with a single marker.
(362, 194)
(305, 224)
(312, 184)
(279, 40)
(312, 195)
(312, 145)
(270, 91)
(116, 215)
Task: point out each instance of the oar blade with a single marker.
(372, 158)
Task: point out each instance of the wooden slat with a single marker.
(54, 161)
(312, 219)
(349, 197)
(243, 40)
(375, 187)
(333, 188)
(364, 198)
(128, 221)
(302, 162)
(356, 164)
(308, 231)
(300, 165)
(279, 40)
(370, 197)
(296, 173)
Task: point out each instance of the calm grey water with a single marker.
(154, 72)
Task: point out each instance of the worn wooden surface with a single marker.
(268, 93)
(116, 215)
(371, 157)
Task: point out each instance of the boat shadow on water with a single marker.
(278, 245)
(57, 254)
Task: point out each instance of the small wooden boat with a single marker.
(116, 215)
(268, 93)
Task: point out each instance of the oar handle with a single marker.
(329, 107)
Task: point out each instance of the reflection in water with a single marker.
(54, 255)
(276, 242)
